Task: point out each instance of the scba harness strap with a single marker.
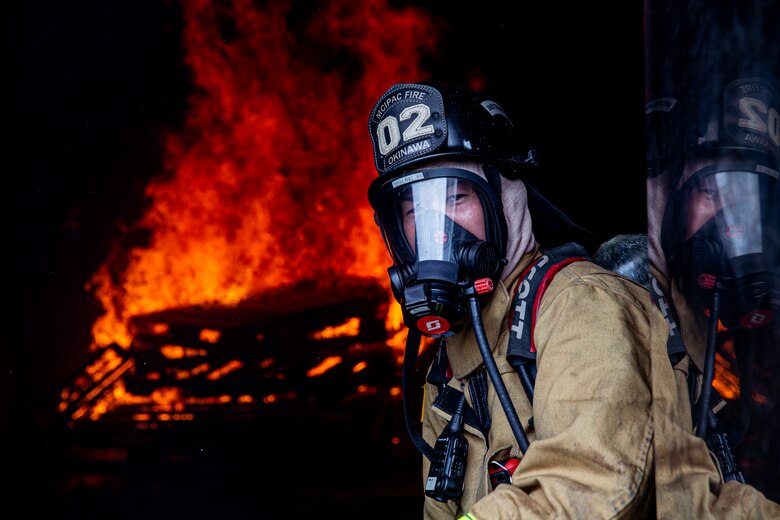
(522, 352)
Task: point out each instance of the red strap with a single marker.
(546, 280)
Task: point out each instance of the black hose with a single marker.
(703, 407)
(495, 376)
(744, 349)
(526, 380)
(407, 378)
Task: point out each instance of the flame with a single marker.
(327, 363)
(351, 327)
(210, 335)
(725, 381)
(265, 184)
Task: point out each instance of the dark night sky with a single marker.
(93, 85)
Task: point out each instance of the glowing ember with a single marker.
(160, 328)
(179, 352)
(726, 382)
(349, 328)
(327, 363)
(210, 335)
(225, 369)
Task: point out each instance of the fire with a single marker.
(210, 335)
(265, 184)
(725, 381)
(351, 327)
(327, 363)
(726, 378)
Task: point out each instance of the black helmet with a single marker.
(738, 120)
(440, 121)
(416, 122)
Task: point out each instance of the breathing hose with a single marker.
(410, 360)
(703, 407)
(495, 376)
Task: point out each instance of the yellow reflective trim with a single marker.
(467, 516)
(422, 412)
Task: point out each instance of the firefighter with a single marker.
(540, 400)
(714, 230)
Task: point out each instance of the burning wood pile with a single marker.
(318, 349)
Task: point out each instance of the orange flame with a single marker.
(726, 380)
(265, 185)
(326, 364)
(351, 327)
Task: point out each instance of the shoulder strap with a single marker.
(533, 282)
(674, 344)
(528, 294)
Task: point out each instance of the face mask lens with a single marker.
(437, 214)
(731, 203)
(729, 237)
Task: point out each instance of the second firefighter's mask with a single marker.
(729, 223)
(721, 227)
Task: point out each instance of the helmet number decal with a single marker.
(388, 131)
(406, 123)
(751, 115)
(751, 107)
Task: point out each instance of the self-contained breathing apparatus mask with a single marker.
(444, 230)
(730, 221)
(443, 227)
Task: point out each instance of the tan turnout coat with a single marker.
(611, 419)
